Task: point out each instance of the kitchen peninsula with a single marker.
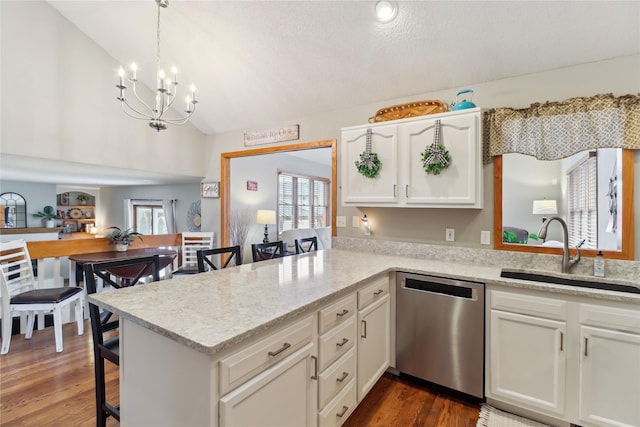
(248, 343)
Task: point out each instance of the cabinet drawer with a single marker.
(244, 364)
(336, 377)
(336, 313)
(373, 292)
(337, 412)
(530, 305)
(337, 342)
(610, 318)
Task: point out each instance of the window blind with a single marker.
(303, 201)
(583, 203)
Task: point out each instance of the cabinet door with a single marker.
(283, 395)
(527, 356)
(360, 190)
(374, 344)
(609, 377)
(460, 184)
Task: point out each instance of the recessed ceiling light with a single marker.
(386, 10)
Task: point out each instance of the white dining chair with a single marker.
(19, 294)
(192, 242)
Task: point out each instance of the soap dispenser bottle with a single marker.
(598, 265)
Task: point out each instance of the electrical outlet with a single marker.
(341, 221)
(450, 234)
(355, 221)
(485, 237)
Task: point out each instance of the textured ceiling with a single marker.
(258, 63)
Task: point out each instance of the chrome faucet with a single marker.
(567, 262)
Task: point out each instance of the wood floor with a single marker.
(39, 387)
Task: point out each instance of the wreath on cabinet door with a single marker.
(369, 164)
(436, 158)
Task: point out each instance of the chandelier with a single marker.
(165, 92)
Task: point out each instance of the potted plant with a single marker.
(48, 215)
(122, 238)
(83, 198)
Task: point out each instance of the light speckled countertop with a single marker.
(212, 311)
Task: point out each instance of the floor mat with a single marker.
(492, 417)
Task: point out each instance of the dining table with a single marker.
(126, 273)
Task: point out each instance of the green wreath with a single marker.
(436, 167)
(369, 164)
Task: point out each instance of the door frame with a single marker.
(225, 178)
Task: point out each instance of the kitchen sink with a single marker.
(583, 282)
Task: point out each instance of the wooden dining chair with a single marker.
(265, 251)
(108, 347)
(20, 294)
(307, 244)
(206, 261)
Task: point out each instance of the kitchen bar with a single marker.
(176, 335)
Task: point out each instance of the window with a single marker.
(303, 201)
(582, 203)
(148, 218)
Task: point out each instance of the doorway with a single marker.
(225, 177)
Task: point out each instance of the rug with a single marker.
(492, 417)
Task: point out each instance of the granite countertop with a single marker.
(212, 311)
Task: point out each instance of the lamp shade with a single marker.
(544, 207)
(266, 217)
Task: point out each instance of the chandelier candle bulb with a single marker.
(174, 71)
(134, 68)
(121, 74)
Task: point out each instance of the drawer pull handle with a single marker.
(406, 191)
(561, 341)
(343, 377)
(394, 190)
(586, 343)
(342, 313)
(343, 342)
(315, 368)
(378, 292)
(363, 334)
(341, 413)
(280, 350)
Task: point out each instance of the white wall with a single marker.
(37, 197)
(112, 201)
(618, 76)
(59, 100)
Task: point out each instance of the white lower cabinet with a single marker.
(281, 396)
(337, 362)
(528, 361)
(374, 343)
(609, 393)
(564, 357)
(272, 382)
(337, 412)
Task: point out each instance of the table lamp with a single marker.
(544, 207)
(266, 217)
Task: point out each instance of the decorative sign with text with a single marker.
(287, 133)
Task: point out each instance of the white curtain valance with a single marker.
(555, 130)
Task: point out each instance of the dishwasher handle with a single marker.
(454, 289)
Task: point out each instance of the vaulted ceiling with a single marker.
(256, 63)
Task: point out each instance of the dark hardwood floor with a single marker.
(39, 387)
(395, 401)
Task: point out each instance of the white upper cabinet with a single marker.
(359, 190)
(402, 180)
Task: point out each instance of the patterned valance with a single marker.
(555, 130)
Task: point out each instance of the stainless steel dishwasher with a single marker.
(440, 331)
